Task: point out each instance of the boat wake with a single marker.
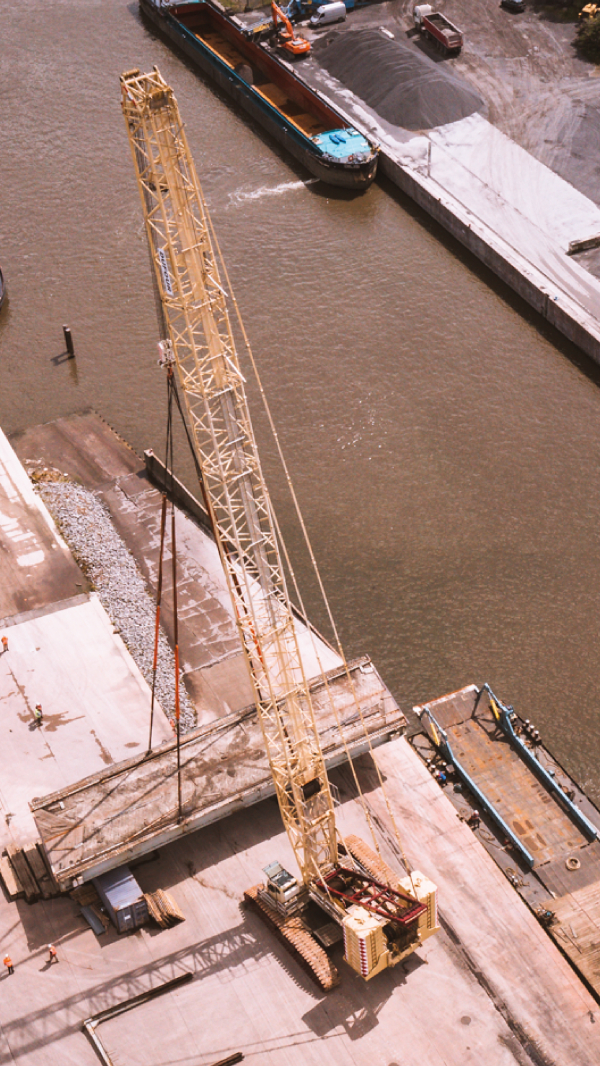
(240, 196)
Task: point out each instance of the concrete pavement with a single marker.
(63, 654)
(502, 995)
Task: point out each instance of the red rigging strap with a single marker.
(358, 888)
(163, 520)
(176, 642)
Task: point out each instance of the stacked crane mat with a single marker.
(131, 807)
(162, 909)
(25, 874)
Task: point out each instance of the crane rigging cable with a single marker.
(169, 467)
(316, 571)
(382, 922)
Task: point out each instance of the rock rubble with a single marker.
(88, 530)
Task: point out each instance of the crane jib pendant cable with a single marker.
(201, 348)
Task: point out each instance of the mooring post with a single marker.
(69, 342)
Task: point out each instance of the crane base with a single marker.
(298, 940)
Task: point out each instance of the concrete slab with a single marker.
(98, 823)
(36, 568)
(96, 708)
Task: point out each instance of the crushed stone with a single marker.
(87, 528)
(404, 86)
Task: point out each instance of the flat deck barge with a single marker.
(532, 818)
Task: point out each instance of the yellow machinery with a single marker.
(383, 919)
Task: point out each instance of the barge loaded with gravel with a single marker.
(301, 119)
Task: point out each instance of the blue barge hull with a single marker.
(297, 117)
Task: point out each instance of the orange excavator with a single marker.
(296, 46)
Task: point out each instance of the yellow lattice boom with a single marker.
(200, 345)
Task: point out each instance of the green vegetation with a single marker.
(588, 39)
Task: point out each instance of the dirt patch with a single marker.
(409, 89)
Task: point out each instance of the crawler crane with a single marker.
(383, 917)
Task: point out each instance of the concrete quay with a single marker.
(88, 451)
(491, 987)
(515, 214)
(63, 654)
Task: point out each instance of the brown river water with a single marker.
(444, 444)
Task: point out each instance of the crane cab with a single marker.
(282, 886)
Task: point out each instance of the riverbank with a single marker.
(524, 221)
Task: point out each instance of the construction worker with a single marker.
(8, 963)
(52, 956)
(4, 644)
(38, 714)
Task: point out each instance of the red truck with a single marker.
(437, 28)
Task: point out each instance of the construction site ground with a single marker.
(516, 180)
(537, 89)
(489, 988)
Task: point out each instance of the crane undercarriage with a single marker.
(380, 917)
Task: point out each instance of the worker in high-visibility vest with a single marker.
(8, 963)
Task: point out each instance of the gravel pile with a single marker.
(401, 84)
(87, 527)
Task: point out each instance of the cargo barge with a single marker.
(532, 818)
(266, 87)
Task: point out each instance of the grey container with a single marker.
(123, 898)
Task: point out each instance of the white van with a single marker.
(335, 12)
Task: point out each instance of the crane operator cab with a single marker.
(282, 888)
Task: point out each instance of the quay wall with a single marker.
(566, 316)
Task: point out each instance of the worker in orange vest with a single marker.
(4, 644)
(52, 956)
(8, 963)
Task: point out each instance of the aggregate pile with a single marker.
(88, 530)
(399, 82)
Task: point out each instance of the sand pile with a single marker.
(401, 84)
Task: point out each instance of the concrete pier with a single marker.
(490, 987)
(513, 213)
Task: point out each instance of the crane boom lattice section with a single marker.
(201, 346)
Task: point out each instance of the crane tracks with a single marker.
(371, 862)
(297, 939)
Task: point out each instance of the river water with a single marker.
(444, 444)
